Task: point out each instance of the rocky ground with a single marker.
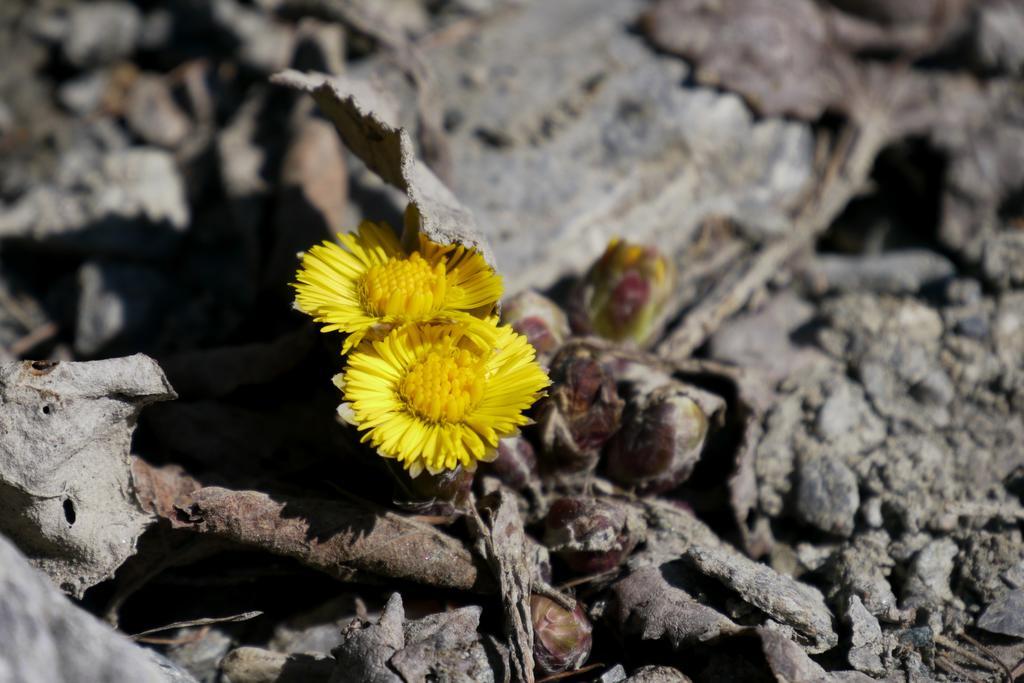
(839, 186)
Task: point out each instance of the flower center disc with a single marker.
(444, 386)
(405, 287)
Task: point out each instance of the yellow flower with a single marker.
(370, 284)
(434, 397)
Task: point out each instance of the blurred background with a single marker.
(836, 167)
(154, 187)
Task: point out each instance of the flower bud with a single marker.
(516, 464)
(623, 295)
(580, 413)
(592, 535)
(660, 441)
(442, 494)
(539, 319)
(561, 639)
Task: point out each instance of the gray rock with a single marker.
(616, 674)
(762, 339)
(153, 115)
(657, 674)
(84, 94)
(127, 201)
(254, 665)
(264, 45)
(65, 480)
(1005, 615)
(101, 32)
(866, 644)
(927, 582)
(200, 657)
(571, 123)
(118, 305)
(997, 41)
(46, 638)
(1002, 259)
(827, 496)
(892, 272)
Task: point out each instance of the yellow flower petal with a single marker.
(368, 285)
(435, 396)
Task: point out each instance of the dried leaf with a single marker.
(446, 646)
(366, 648)
(342, 539)
(367, 123)
(443, 646)
(673, 533)
(65, 477)
(797, 57)
(651, 604)
(793, 603)
(503, 542)
(790, 664)
(161, 490)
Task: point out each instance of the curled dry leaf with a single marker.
(65, 481)
(673, 533)
(366, 120)
(789, 663)
(340, 538)
(502, 542)
(444, 646)
(651, 604)
(795, 604)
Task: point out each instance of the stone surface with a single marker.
(570, 122)
(100, 32)
(126, 201)
(1005, 615)
(118, 305)
(153, 115)
(46, 638)
(826, 495)
(65, 483)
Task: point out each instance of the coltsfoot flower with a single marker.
(369, 284)
(435, 396)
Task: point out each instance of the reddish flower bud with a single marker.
(592, 535)
(660, 442)
(516, 464)
(580, 413)
(561, 639)
(539, 319)
(623, 295)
